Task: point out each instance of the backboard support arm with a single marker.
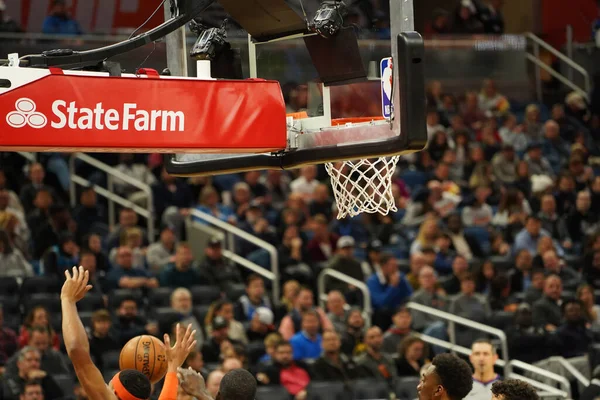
(405, 132)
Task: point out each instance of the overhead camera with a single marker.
(210, 42)
(329, 18)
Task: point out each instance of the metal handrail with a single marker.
(565, 81)
(455, 319)
(564, 382)
(29, 156)
(265, 273)
(360, 285)
(111, 174)
(535, 58)
(501, 363)
(571, 369)
(234, 230)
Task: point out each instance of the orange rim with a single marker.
(357, 120)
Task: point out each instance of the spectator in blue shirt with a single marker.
(181, 273)
(124, 276)
(308, 342)
(388, 288)
(554, 148)
(529, 236)
(59, 22)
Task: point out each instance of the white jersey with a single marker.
(482, 390)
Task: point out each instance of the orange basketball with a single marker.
(147, 354)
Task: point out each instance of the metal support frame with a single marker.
(176, 48)
(272, 275)
(332, 273)
(109, 194)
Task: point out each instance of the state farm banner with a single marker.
(50, 111)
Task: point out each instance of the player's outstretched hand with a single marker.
(75, 286)
(184, 343)
(191, 382)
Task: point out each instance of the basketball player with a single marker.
(237, 384)
(127, 384)
(446, 378)
(513, 389)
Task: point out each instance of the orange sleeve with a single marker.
(169, 390)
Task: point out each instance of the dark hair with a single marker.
(313, 313)
(86, 252)
(33, 382)
(38, 329)
(253, 277)
(514, 389)
(485, 341)
(568, 301)
(136, 383)
(385, 258)
(237, 384)
(455, 375)
(214, 308)
(409, 341)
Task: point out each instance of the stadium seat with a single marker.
(91, 302)
(12, 321)
(10, 305)
(255, 351)
(86, 318)
(65, 382)
(108, 374)
(39, 284)
(51, 301)
(202, 294)
(327, 391)
(166, 317)
(366, 389)
(118, 295)
(9, 287)
(502, 319)
(414, 179)
(272, 392)
(160, 297)
(235, 291)
(502, 264)
(200, 313)
(110, 360)
(406, 388)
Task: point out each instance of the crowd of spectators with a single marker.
(496, 223)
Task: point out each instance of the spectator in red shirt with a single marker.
(292, 375)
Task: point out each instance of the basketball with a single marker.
(147, 354)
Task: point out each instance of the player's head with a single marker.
(446, 378)
(513, 389)
(130, 384)
(237, 384)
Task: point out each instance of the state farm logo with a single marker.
(71, 115)
(25, 114)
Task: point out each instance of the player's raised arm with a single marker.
(176, 355)
(75, 337)
(192, 383)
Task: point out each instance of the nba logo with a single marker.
(387, 78)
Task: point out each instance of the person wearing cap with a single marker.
(216, 269)
(345, 262)
(261, 324)
(161, 253)
(211, 349)
(371, 264)
(504, 164)
(537, 163)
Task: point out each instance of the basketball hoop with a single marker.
(362, 186)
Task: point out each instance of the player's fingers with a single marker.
(75, 274)
(192, 346)
(67, 275)
(88, 288)
(167, 340)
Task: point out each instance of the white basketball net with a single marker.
(363, 185)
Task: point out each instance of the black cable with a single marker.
(149, 18)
